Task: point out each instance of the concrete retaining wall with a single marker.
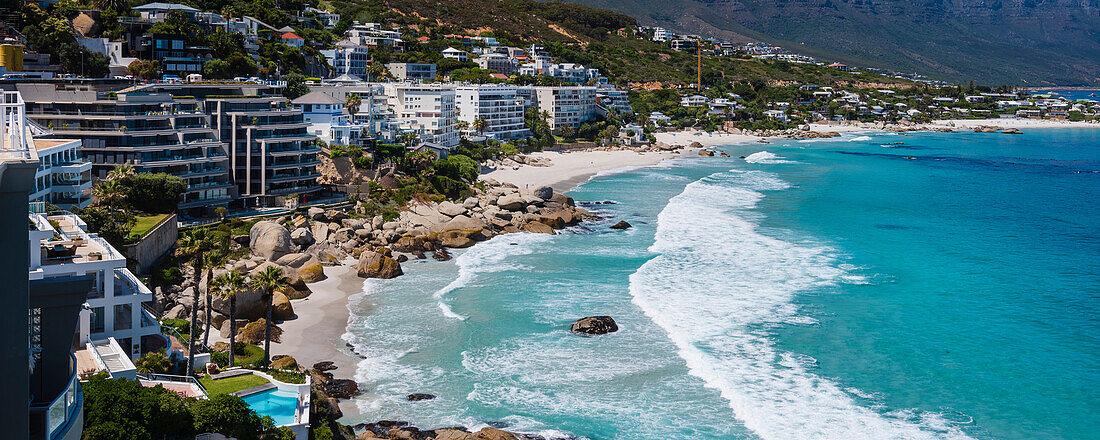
(156, 244)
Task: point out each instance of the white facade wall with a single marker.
(499, 106)
(114, 304)
(63, 178)
(567, 106)
(428, 110)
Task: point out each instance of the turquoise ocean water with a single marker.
(947, 287)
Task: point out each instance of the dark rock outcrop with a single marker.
(622, 224)
(594, 325)
(416, 397)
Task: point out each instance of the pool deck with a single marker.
(254, 390)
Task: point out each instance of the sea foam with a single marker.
(487, 257)
(716, 288)
(764, 157)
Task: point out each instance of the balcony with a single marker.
(72, 167)
(64, 414)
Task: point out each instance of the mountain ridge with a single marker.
(1018, 42)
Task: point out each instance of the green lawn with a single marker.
(145, 223)
(232, 384)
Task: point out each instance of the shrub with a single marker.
(155, 362)
(228, 415)
(154, 193)
(362, 162)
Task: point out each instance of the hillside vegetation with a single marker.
(1031, 42)
(580, 34)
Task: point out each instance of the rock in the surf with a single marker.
(622, 224)
(594, 325)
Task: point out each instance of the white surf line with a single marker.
(715, 287)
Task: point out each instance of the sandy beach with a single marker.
(317, 334)
(1020, 123)
(570, 169)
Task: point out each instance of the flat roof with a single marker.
(42, 144)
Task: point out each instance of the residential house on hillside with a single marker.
(174, 55)
(694, 101)
(158, 12)
(293, 40)
(497, 62)
(455, 54)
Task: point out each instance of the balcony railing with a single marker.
(53, 420)
(14, 142)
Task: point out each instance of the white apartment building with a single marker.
(567, 106)
(63, 178)
(661, 34)
(62, 248)
(497, 62)
(348, 59)
(372, 34)
(574, 73)
(412, 71)
(498, 105)
(614, 99)
(427, 110)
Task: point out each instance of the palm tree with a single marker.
(211, 260)
(229, 284)
(480, 125)
(120, 172)
(544, 118)
(192, 246)
(269, 281)
(352, 102)
(110, 193)
(116, 5)
(375, 70)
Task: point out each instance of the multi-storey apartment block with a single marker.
(497, 62)
(64, 178)
(426, 110)
(498, 105)
(567, 106)
(348, 58)
(153, 132)
(271, 153)
(411, 71)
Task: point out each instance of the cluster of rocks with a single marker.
(381, 247)
(517, 160)
(395, 430)
(996, 129)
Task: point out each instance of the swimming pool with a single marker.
(279, 405)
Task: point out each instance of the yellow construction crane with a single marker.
(699, 68)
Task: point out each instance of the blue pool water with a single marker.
(279, 405)
(947, 287)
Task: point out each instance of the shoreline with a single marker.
(317, 332)
(569, 169)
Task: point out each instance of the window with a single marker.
(97, 320)
(123, 317)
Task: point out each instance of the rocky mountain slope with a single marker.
(1019, 42)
